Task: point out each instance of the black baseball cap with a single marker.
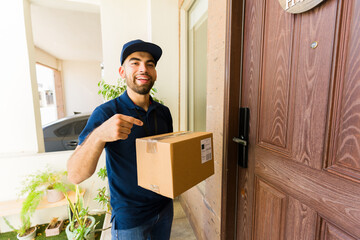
(140, 46)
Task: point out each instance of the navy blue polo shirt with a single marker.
(131, 205)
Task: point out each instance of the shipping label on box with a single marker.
(170, 164)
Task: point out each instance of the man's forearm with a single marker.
(82, 163)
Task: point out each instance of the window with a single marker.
(79, 126)
(193, 68)
(197, 65)
(46, 88)
(63, 131)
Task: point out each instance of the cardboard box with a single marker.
(170, 164)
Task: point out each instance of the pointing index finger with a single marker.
(132, 120)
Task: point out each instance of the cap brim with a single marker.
(151, 48)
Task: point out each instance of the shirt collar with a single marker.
(131, 105)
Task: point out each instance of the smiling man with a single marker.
(137, 213)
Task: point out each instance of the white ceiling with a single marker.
(67, 29)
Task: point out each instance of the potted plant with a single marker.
(29, 205)
(51, 183)
(25, 232)
(103, 197)
(54, 227)
(81, 225)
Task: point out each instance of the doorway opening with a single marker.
(50, 94)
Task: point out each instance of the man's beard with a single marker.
(143, 89)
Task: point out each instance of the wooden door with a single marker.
(301, 81)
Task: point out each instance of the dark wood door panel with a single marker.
(279, 216)
(330, 232)
(274, 106)
(301, 81)
(269, 215)
(295, 86)
(330, 196)
(313, 85)
(301, 221)
(344, 156)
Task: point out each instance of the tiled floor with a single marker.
(181, 228)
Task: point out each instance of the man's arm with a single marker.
(83, 161)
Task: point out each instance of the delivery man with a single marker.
(137, 213)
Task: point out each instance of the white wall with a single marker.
(149, 20)
(20, 125)
(166, 35)
(67, 34)
(80, 86)
(121, 21)
(19, 102)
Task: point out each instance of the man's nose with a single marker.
(142, 67)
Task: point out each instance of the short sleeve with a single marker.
(96, 119)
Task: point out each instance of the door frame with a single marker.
(232, 101)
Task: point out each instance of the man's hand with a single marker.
(117, 127)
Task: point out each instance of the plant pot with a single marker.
(54, 231)
(54, 195)
(89, 234)
(30, 236)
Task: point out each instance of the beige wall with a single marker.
(47, 59)
(204, 210)
(80, 86)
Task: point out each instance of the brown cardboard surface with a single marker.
(170, 164)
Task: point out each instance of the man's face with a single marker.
(139, 72)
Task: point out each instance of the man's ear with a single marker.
(122, 71)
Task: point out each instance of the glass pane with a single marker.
(197, 66)
(63, 131)
(79, 126)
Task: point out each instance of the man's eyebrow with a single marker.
(138, 59)
(134, 59)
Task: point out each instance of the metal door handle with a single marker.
(242, 140)
(72, 143)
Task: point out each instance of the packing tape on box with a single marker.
(151, 144)
(155, 188)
